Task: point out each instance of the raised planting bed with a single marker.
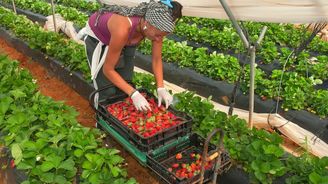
(55, 67)
(205, 86)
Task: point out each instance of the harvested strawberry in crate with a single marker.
(146, 124)
(146, 130)
(182, 163)
(187, 164)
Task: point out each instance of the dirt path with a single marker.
(52, 87)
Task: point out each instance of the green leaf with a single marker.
(67, 164)
(47, 177)
(17, 118)
(260, 176)
(115, 171)
(5, 104)
(131, 181)
(60, 179)
(24, 165)
(102, 151)
(46, 166)
(16, 152)
(272, 149)
(55, 160)
(57, 138)
(78, 153)
(94, 178)
(315, 178)
(17, 93)
(113, 151)
(254, 166)
(116, 159)
(87, 165)
(86, 174)
(265, 167)
(90, 157)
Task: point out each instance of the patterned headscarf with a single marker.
(157, 14)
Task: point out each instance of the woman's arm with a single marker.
(162, 93)
(119, 28)
(157, 64)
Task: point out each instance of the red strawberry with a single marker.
(176, 165)
(12, 163)
(178, 156)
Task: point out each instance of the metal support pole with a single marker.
(264, 29)
(234, 23)
(14, 6)
(252, 49)
(251, 87)
(252, 76)
(53, 14)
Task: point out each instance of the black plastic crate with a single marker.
(146, 144)
(160, 162)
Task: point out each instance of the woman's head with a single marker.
(163, 17)
(160, 17)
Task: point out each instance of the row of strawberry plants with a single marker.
(227, 40)
(218, 63)
(269, 50)
(275, 32)
(220, 33)
(297, 91)
(44, 8)
(256, 151)
(278, 33)
(318, 69)
(304, 98)
(46, 141)
(223, 32)
(259, 174)
(66, 50)
(88, 6)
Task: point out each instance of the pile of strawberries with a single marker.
(183, 170)
(146, 124)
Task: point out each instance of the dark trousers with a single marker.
(124, 67)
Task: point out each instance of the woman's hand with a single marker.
(139, 102)
(164, 95)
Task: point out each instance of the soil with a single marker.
(56, 89)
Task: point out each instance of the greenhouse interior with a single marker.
(163, 92)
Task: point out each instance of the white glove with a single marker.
(140, 103)
(164, 95)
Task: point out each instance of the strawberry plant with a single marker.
(268, 52)
(319, 103)
(319, 46)
(309, 170)
(315, 66)
(80, 4)
(67, 51)
(44, 137)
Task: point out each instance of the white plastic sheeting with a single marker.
(284, 11)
